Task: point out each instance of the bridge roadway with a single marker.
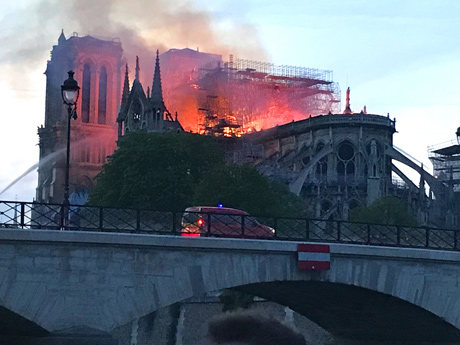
(88, 283)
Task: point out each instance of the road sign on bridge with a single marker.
(314, 257)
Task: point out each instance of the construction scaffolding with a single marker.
(445, 158)
(251, 95)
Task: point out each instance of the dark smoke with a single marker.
(142, 26)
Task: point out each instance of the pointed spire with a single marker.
(137, 68)
(347, 106)
(62, 38)
(157, 93)
(124, 96)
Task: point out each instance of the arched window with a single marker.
(321, 166)
(85, 94)
(103, 154)
(136, 115)
(346, 159)
(102, 103)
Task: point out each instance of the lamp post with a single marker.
(69, 92)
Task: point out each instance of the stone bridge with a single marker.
(89, 283)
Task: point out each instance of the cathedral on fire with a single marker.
(284, 121)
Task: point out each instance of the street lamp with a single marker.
(69, 92)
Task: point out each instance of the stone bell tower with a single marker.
(98, 66)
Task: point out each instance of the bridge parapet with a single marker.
(106, 219)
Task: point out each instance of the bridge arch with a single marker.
(356, 313)
(13, 324)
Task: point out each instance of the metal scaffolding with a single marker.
(445, 158)
(256, 95)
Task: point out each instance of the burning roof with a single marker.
(253, 95)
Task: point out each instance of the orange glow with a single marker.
(200, 222)
(203, 92)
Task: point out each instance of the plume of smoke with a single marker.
(28, 33)
(142, 26)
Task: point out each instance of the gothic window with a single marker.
(102, 103)
(103, 154)
(346, 151)
(346, 160)
(85, 155)
(321, 166)
(136, 115)
(85, 94)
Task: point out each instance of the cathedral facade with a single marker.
(98, 67)
(106, 109)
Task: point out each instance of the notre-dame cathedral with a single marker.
(107, 108)
(334, 161)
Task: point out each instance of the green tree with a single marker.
(243, 187)
(387, 210)
(155, 170)
(172, 171)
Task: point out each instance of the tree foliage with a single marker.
(243, 187)
(171, 171)
(155, 170)
(387, 210)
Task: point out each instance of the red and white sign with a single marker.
(314, 257)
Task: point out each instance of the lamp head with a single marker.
(70, 90)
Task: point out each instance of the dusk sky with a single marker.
(398, 57)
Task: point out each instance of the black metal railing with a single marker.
(25, 215)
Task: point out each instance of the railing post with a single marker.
(307, 229)
(427, 237)
(455, 239)
(398, 236)
(101, 219)
(209, 225)
(23, 211)
(138, 221)
(174, 228)
(338, 230)
(242, 225)
(275, 226)
(368, 241)
(62, 215)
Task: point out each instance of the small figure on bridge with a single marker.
(249, 328)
